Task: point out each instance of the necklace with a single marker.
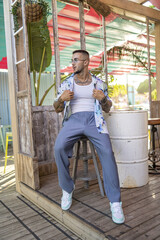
(84, 82)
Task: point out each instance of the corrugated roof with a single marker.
(118, 30)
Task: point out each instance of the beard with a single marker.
(78, 71)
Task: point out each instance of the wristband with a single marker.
(60, 100)
(104, 100)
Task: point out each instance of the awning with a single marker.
(119, 32)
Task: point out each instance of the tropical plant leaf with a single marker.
(39, 39)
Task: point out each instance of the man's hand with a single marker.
(98, 94)
(67, 95)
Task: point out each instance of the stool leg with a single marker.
(6, 151)
(75, 163)
(85, 163)
(96, 168)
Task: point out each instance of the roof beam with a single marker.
(134, 8)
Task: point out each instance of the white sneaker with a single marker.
(117, 212)
(66, 200)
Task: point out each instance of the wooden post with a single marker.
(56, 43)
(27, 73)
(149, 66)
(26, 165)
(157, 47)
(82, 25)
(105, 51)
(11, 74)
(56, 51)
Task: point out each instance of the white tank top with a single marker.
(83, 100)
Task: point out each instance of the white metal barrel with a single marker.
(129, 136)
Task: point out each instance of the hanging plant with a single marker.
(40, 51)
(132, 53)
(35, 11)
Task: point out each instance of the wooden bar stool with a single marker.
(86, 175)
(8, 139)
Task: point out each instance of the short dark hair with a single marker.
(81, 51)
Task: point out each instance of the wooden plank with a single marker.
(82, 25)
(25, 237)
(157, 47)
(56, 43)
(22, 93)
(141, 230)
(133, 7)
(16, 231)
(152, 234)
(148, 64)
(105, 70)
(64, 217)
(12, 88)
(20, 54)
(45, 132)
(28, 105)
(24, 126)
(28, 170)
(46, 168)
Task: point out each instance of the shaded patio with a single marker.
(36, 177)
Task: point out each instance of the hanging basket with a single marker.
(99, 7)
(34, 12)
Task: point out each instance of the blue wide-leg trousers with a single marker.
(79, 124)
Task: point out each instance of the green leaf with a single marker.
(38, 35)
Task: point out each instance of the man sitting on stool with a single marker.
(82, 96)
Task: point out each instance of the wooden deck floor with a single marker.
(141, 207)
(20, 219)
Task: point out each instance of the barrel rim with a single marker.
(128, 137)
(127, 111)
(137, 161)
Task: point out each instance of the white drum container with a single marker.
(129, 136)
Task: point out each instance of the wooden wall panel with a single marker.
(24, 126)
(28, 171)
(21, 78)
(45, 130)
(20, 45)
(20, 54)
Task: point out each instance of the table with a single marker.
(154, 156)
